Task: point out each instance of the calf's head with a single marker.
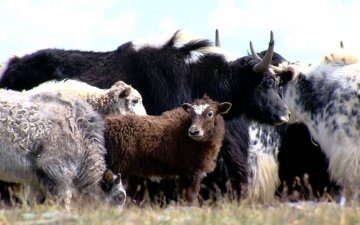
(206, 118)
(113, 188)
(126, 99)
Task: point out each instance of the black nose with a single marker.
(193, 131)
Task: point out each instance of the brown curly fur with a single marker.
(160, 145)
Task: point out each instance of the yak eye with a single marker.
(270, 83)
(210, 114)
(135, 101)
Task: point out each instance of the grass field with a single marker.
(323, 210)
(222, 213)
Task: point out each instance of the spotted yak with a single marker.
(326, 98)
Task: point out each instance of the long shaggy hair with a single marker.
(120, 98)
(183, 141)
(53, 143)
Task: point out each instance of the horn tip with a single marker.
(271, 43)
(252, 48)
(217, 38)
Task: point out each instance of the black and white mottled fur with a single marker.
(327, 99)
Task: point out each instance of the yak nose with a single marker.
(194, 132)
(285, 118)
(120, 198)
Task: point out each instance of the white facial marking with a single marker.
(139, 109)
(199, 109)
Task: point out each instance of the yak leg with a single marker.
(191, 186)
(67, 199)
(349, 195)
(30, 194)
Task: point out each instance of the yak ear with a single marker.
(287, 75)
(186, 107)
(224, 107)
(108, 176)
(126, 92)
(118, 179)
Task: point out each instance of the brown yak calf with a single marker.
(184, 141)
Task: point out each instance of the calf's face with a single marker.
(205, 117)
(127, 99)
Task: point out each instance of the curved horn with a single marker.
(217, 38)
(265, 62)
(253, 52)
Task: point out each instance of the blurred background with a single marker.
(304, 29)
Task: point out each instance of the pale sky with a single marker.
(304, 30)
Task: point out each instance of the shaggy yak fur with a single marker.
(168, 75)
(184, 141)
(54, 145)
(121, 98)
(300, 160)
(49, 64)
(326, 99)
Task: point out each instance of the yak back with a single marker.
(24, 73)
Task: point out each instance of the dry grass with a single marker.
(225, 212)
(301, 190)
(320, 210)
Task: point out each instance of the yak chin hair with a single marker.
(263, 180)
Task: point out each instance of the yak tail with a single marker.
(186, 43)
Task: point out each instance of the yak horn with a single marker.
(253, 52)
(342, 44)
(217, 38)
(265, 62)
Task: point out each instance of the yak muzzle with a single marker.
(119, 199)
(195, 132)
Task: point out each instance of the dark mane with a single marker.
(192, 45)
